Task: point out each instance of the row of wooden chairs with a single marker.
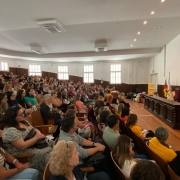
(143, 148)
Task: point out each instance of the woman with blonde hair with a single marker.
(68, 159)
(64, 162)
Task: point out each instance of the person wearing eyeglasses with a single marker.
(17, 138)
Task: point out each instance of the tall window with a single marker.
(115, 74)
(63, 72)
(88, 74)
(4, 66)
(34, 70)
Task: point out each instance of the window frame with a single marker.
(88, 73)
(37, 73)
(4, 64)
(116, 72)
(65, 73)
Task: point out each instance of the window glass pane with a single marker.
(35, 70)
(115, 75)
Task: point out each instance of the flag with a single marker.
(165, 89)
(169, 85)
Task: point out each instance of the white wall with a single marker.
(172, 63)
(133, 71)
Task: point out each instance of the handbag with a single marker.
(39, 144)
(94, 159)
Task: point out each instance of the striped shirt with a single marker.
(2, 157)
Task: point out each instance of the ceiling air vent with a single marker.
(101, 45)
(51, 26)
(38, 49)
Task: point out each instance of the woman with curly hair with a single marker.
(67, 157)
(146, 170)
(66, 168)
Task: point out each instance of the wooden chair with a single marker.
(23, 158)
(130, 134)
(81, 114)
(119, 172)
(162, 164)
(38, 123)
(81, 118)
(141, 145)
(39, 97)
(47, 173)
(122, 126)
(37, 119)
(107, 147)
(172, 174)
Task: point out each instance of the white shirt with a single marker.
(127, 167)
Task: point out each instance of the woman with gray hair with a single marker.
(158, 145)
(47, 112)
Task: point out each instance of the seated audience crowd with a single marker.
(88, 117)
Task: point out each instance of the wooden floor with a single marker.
(148, 121)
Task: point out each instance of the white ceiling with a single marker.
(85, 21)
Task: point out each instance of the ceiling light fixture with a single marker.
(139, 33)
(152, 12)
(159, 27)
(147, 41)
(145, 22)
(134, 39)
(162, 0)
(131, 45)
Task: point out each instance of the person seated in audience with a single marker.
(146, 170)
(85, 128)
(79, 105)
(13, 102)
(136, 129)
(103, 116)
(63, 105)
(20, 171)
(71, 91)
(20, 98)
(109, 96)
(48, 112)
(19, 137)
(67, 133)
(122, 154)
(97, 105)
(158, 145)
(111, 133)
(3, 105)
(56, 102)
(1, 85)
(29, 98)
(120, 108)
(66, 168)
(124, 114)
(122, 100)
(17, 87)
(7, 87)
